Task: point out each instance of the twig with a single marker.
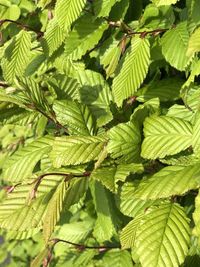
(82, 247)
(68, 176)
(23, 26)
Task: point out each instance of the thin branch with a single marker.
(82, 247)
(21, 25)
(68, 176)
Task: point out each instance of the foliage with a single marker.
(100, 133)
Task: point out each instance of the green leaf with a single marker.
(102, 8)
(117, 258)
(176, 55)
(196, 135)
(84, 36)
(194, 43)
(104, 227)
(165, 136)
(130, 205)
(163, 237)
(17, 56)
(96, 94)
(20, 165)
(53, 210)
(166, 90)
(133, 71)
(73, 8)
(124, 142)
(196, 217)
(53, 37)
(164, 3)
(109, 176)
(170, 181)
(77, 117)
(129, 232)
(75, 150)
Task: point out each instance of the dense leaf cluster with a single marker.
(100, 133)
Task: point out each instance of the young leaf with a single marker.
(176, 55)
(73, 150)
(194, 43)
(165, 136)
(17, 56)
(53, 211)
(170, 181)
(124, 142)
(21, 164)
(163, 237)
(84, 36)
(77, 117)
(133, 71)
(67, 11)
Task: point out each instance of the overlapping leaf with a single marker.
(124, 142)
(165, 136)
(21, 164)
(133, 71)
(77, 117)
(75, 150)
(163, 237)
(84, 36)
(67, 11)
(194, 43)
(17, 56)
(176, 55)
(170, 181)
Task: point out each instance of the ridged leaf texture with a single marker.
(194, 43)
(53, 38)
(124, 142)
(133, 70)
(67, 11)
(95, 93)
(17, 56)
(170, 181)
(102, 8)
(53, 210)
(77, 117)
(176, 55)
(21, 164)
(84, 36)
(165, 136)
(75, 150)
(163, 237)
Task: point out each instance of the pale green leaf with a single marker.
(67, 11)
(196, 136)
(163, 237)
(73, 150)
(173, 53)
(196, 217)
(133, 71)
(124, 142)
(116, 258)
(17, 56)
(53, 37)
(38, 261)
(194, 43)
(96, 94)
(165, 136)
(76, 117)
(84, 36)
(53, 210)
(104, 227)
(102, 8)
(170, 181)
(164, 2)
(20, 165)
